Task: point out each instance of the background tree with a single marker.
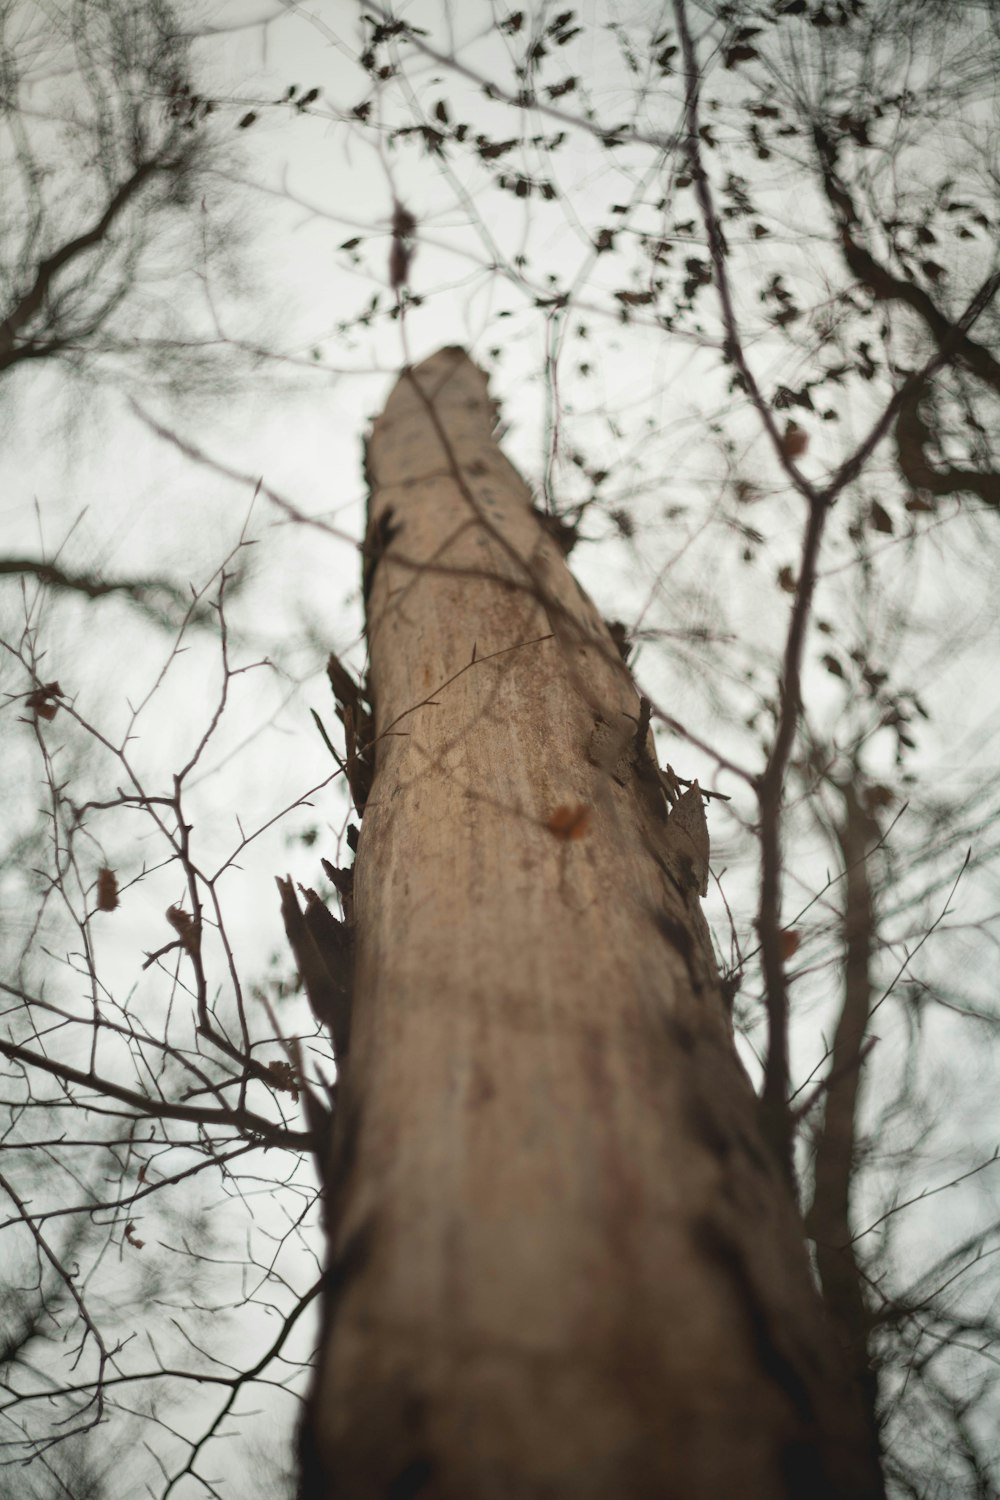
(116, 216)
(106, 166)
(724, 263)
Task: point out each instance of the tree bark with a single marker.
(562, 1261)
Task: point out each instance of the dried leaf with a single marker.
(788, 942)
(878, 796)
(186, 928)
(107, 890)
(737, 55)
(570, 821)
(283, 1077)
(635, 299)
(670, 784)
(688, 841)
(132, 1237)
(400, 258)
(880, 518)
(324, 955)
(43, 702)
(795, 441)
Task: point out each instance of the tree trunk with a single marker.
(562, 1263)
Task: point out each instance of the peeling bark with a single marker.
(562, 1260)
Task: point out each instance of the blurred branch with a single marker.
(33, 299)
(246, 1121)
(142, 592)
(828, 1218)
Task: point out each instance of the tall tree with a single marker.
(564, 1259)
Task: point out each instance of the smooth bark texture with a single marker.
(563, 1263)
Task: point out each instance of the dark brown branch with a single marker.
(33, 299)
(950, 335)
(912, 439)
(141, 591)
(243, 1120)
(828, 1220)
(886, 287)
(90, 1327)
(778, 1122)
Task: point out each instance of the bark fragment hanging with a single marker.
(324, 955)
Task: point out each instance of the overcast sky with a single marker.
(83, 474)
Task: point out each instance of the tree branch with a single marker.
(243, 1120)
(33, 299)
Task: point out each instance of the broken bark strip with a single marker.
(562, 1261)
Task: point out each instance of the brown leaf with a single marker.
(43, 701)
(283, 1077)
(788, 941)
(400, 257)
(132, 1237)
(795, 441)
(107, 890)
(737, 55)
(404, 224)
(787, 580)
(187, 929)
(880, 518)
(687, 839)
(570, 821)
